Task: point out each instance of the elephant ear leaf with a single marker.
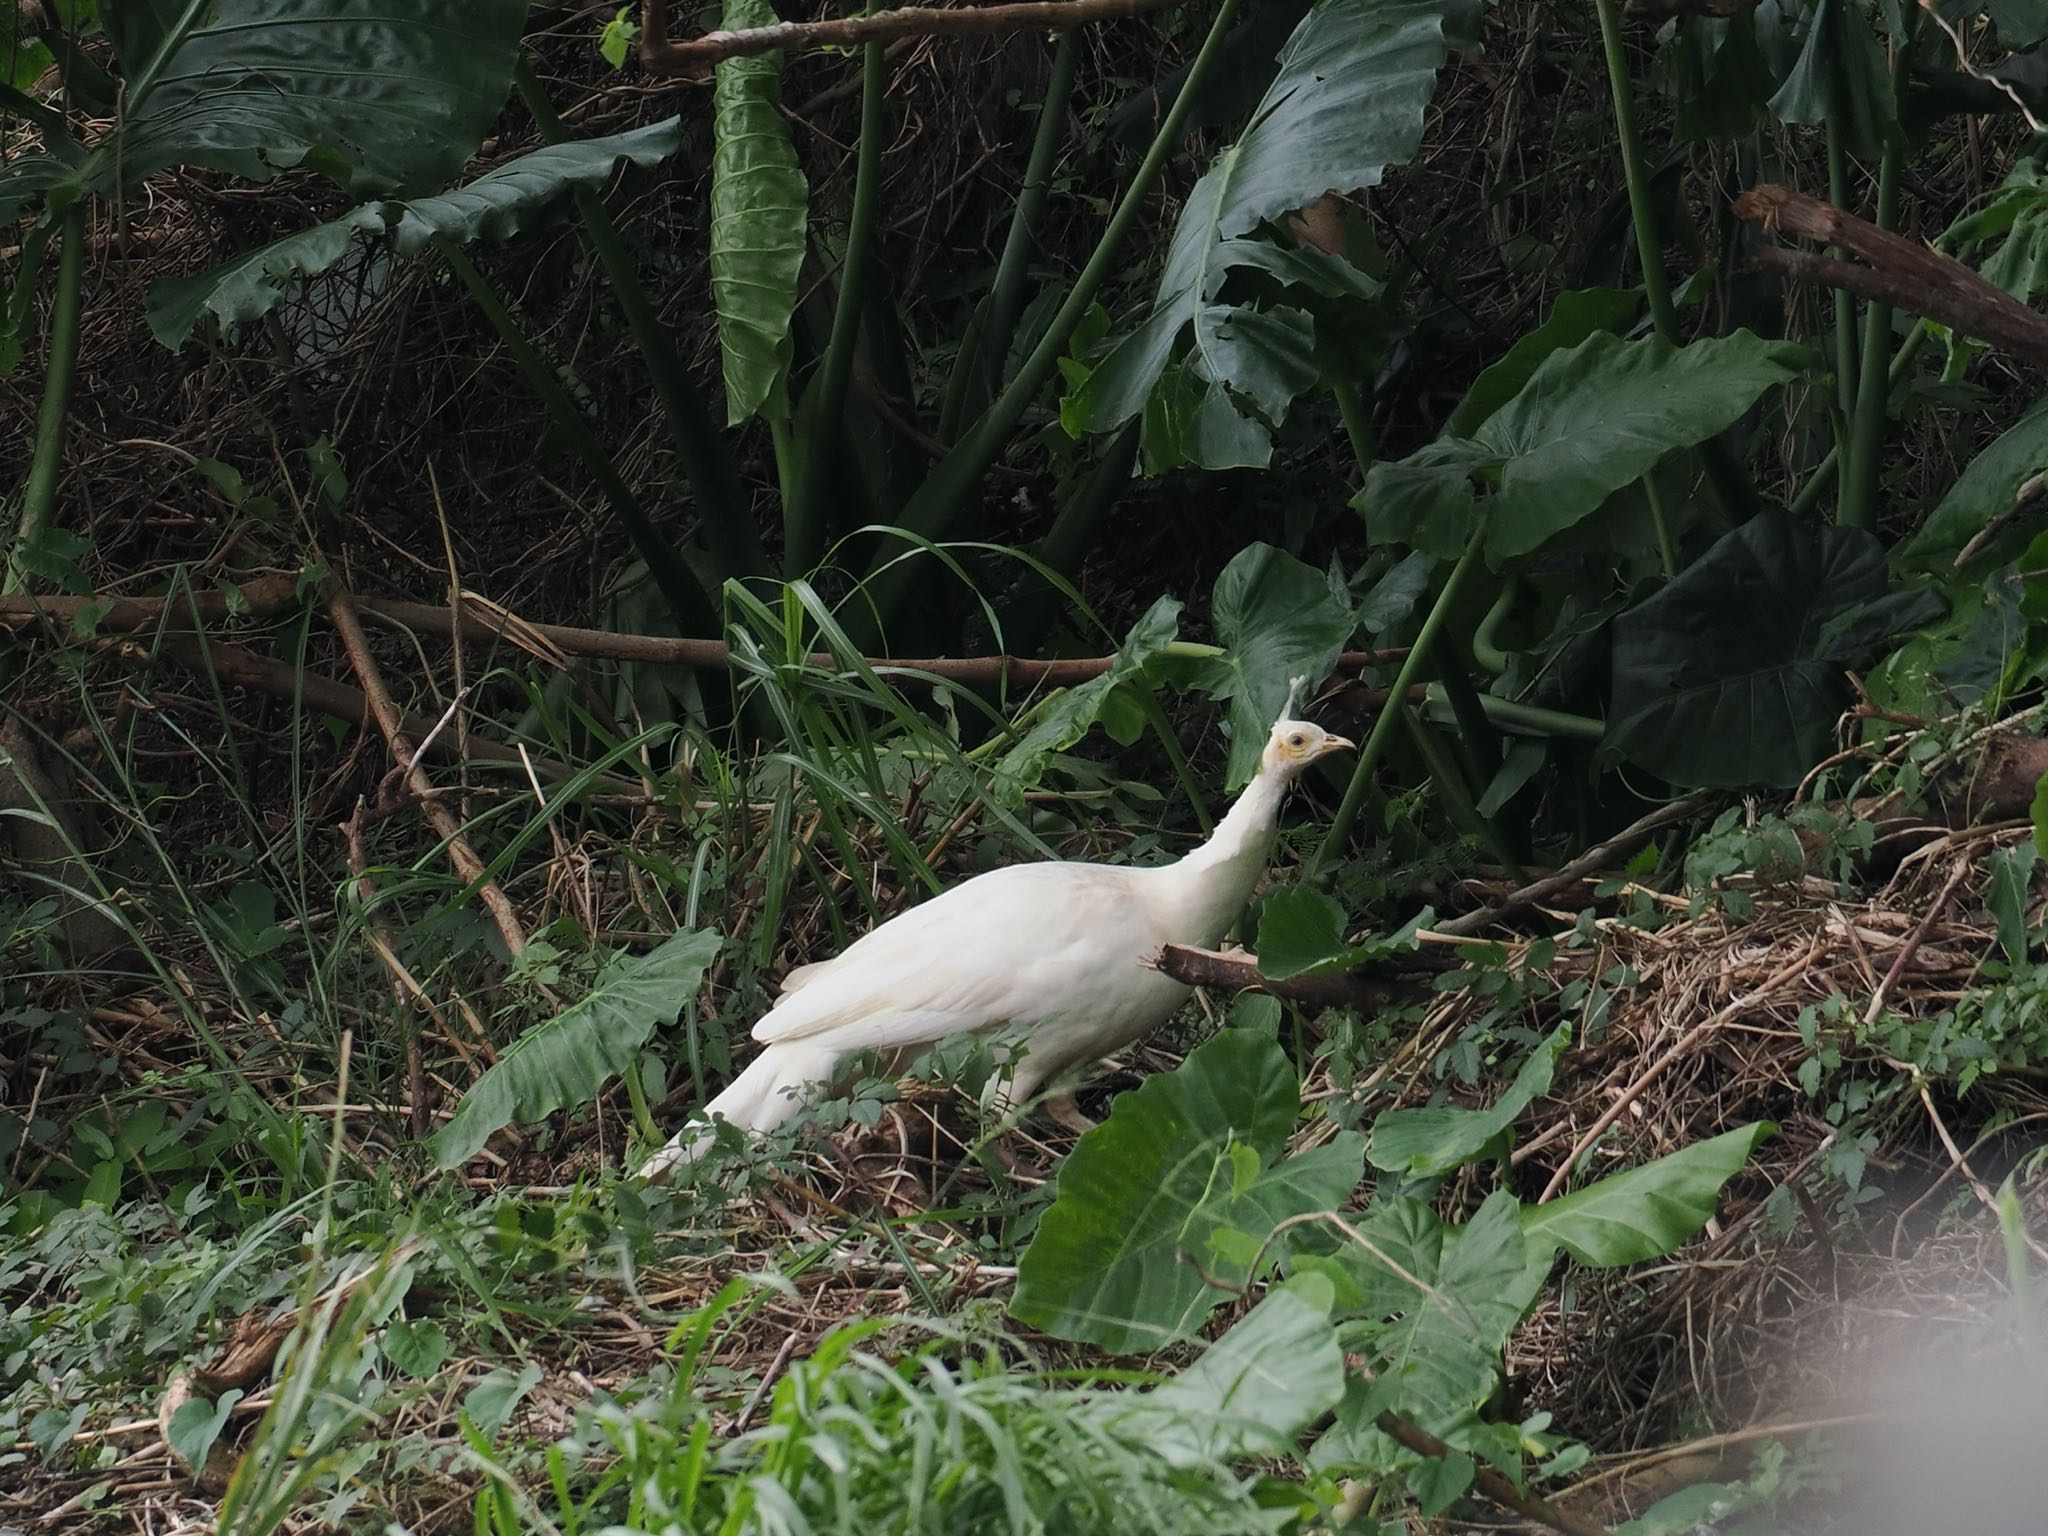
(563, 1063)
(1212, 378)
(1589, 420)
(495, 206)
(380, 98)
(758, 211)
(1733, 675)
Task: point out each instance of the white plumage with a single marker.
(1049, 956)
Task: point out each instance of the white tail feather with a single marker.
(774, 1087)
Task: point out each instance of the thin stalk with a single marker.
(1649, 250)
(1006, 298)
(1727, 482)
(1457, 792)
(1823, 474)
(1667, 551)
(1486, 647)
(1339, 835)
(1357, 420)
(46, 467)
(960, 383)
(938, 500)
(1845, 304)
(1073, 529)
(686, 599)
(1475, 733)
(723, 510)
(784, 442)
(1529, 719)
(1858, 505)
(804, 521)
(1162, 727)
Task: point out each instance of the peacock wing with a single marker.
(1014, 946)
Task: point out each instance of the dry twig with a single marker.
(393, 724)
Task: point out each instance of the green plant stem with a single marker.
(1456, 790)
(960, 382)
(1066, 543)
(1858, 505)
(784, 443)
(1823, 474)
(1845, 305)
(804, 527)
(1476, 735)
(1013, 271)
(46, 466)
(1357, 420)
(1486, 648)
(952, 481)
(1667, 551)
(1162, 727)
(723, 509)
(1528, 719)
(687, 601)
(1375, 747)
(1649, 248)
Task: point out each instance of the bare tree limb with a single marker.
(1490, 1484)
(393, 724)
(1595, 860)
(269, 596)
(661, 56)
(1909, 274)
(1240, 971)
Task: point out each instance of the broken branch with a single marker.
(661, 56)
(1909, 274)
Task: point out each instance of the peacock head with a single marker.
(1294, 743)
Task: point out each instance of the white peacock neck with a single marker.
(1212, 883)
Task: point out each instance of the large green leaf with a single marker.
(1439, 1137)
(1277, 620)
(382, 97)
(496, 206)
(1301, 933)
(1841, 79)
(1124, 1256)
(758, 208)
(1987, 488)
(1573, 317)
(1250, 1394)
(1435, 1302)
(1645, 1213)
(1354, 82)
(563, 1063)
(1589, 421)
(1732, 676)
(1066, 719)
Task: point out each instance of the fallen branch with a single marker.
(1908, 274)
(1239, 972)
(245, 668)
(661, 56)
(392, 723)
(1595, 860)
(1489, 1483)
(269, 596)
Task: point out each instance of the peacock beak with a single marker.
(1337, 744)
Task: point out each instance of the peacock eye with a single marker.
(1297, 741)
